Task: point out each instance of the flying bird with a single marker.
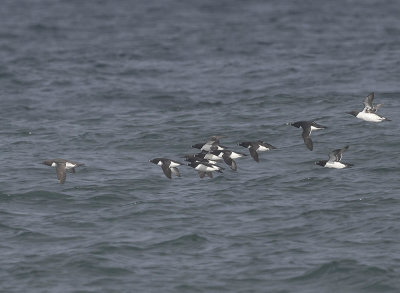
(308, 127)
(228, 157)
(211, 145)
(334, 160)
(62, 166)
(203, 168)
(168, 166)
(256, 146)
(369, 111)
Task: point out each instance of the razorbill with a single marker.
(255, 146)
(211, 145)
(334, 160)
(308, 127)
(369, 111)
(62, 166)
(205, 155)
(204, 168)
(195, 158)
(229, 157)
(168, 166)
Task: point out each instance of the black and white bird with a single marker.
(211, 145)
(194, 158)
(256, 146)
(334, 160)
(204, 156)
(62, 166)
(168, 166)
(203, 168)
(228, 156)
(308, 127)
(369, 111)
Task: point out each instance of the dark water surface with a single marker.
(113, 84)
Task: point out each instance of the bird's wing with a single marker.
(336, 155)
(376, 107)
(175, 171)
(61, 173)
(306, 137)
(254, 154)
(368, 102)
(166, 170)
(230, 162)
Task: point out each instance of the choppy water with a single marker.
(115, 83)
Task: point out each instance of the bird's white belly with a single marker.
(173, 164)
(69, 165)
(235, 155)
(335, 165)
(371, 117)
(204, 168)
(262, 148)
(213, 157)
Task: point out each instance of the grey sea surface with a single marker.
(114, 84)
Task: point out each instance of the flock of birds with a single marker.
(206, 162)
(212, 152)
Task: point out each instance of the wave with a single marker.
(37, 194)
(347, 274)
(191, 240)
